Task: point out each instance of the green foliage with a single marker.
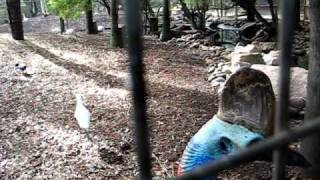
(3, 14)
(68, 9)
(156, 3)
(199, 4)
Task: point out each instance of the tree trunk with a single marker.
(34, 9)
(251, 9)
(62, 25)
(15, 19)
(116, 36)
(166, 34)
(202, 20)
(44, 8)
(188, 14)
(272, 12)
(153, 21)
(311, 144)
(91, 26)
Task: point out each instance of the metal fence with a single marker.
(277, 143)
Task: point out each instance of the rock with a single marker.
(225, 54)
(222, 74)
(211, 69)
(55, 30)
(298, 83)
(293, 111)
(218, 81)
(252, 58)
(303, 61)
(267, 46)
(197, 36)
(100, 28)
(237, 65)
(195, 45)
(298, 103)
(301, 113)
(250, 48)
(69, 31)
(212, 77)
(272, 58)
(299, 52)
(209, 61)
(204, 48)
(227, 69)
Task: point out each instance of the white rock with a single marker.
(100, 28)
(69, 31)
(218, 81)
(298, 82)
(237, 65)
(211, 69)
(227, 69)
(250, 48)
(267, 46)
(252, 58)
(272, 58)
(55, 30)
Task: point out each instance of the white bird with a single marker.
(82, 115)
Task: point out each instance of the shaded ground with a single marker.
(39, 138)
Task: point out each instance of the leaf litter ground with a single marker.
(40, 139)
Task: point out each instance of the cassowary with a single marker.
(245, 117)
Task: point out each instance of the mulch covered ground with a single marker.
(40, 139)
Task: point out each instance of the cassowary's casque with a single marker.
(245, 116)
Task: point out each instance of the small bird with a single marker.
(82, 115)
(23, 70)
(21, 67)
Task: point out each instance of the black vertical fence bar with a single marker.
(133, 18)
(286, 30)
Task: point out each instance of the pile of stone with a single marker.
(243, 56)
(192, 40)
(263, 57)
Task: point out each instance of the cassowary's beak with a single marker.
(293, 158)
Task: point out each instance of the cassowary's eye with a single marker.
(225, 145)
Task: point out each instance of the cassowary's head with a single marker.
(245, 116)
(214, 140)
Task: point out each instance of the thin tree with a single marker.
(15, 19)
(311, 145)
(91, 27)
(106, 4)
(166, 34)
(62, 25)
(116, 39)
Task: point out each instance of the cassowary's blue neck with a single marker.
(208, 144)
